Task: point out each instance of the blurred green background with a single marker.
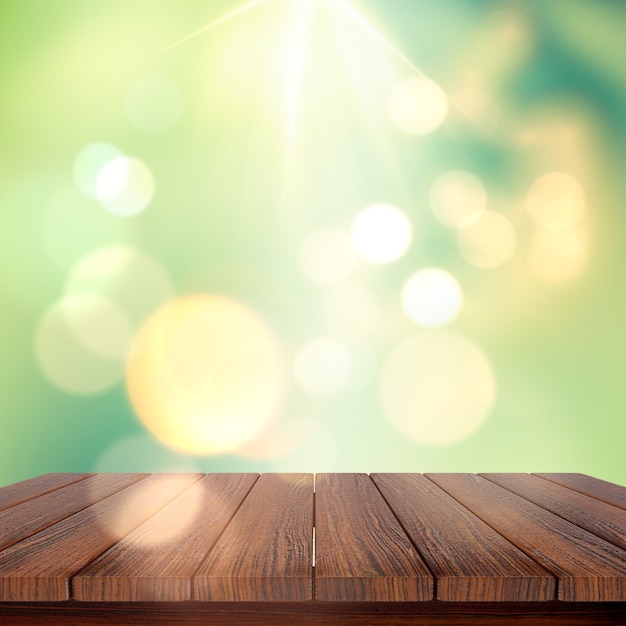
(196, 272)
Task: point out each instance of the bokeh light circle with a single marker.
(350, 311)
(89, 163)
(327, 256)
(432, 297)
(556, 201)
(322, 367)
(80, 343)
(488, 241)
(457, 198)
(418, 106)
(153, 103)
(381, 233)
(205, 374)
(437, 388)
(125, 186)
(128, 276)
(558, 256)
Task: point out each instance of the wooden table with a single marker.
(397, 549)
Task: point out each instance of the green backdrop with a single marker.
(312, 235)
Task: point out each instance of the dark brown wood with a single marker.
(40, 567)
(157, 560)
(470, 560)
(33, 487)
(588, 568)
(362, 552)
(226, 549)
(315, 614)
(265, 553)
(29, 517)
(600, 518)
(590, 486)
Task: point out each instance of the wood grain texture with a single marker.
(31, 516)
(362, 552)
(588, 568)
(590, 486)
(600, 518)
(265, 553)
(40, 567)
(157, 560)
(36, 486)
(470, 561)
(432, 613)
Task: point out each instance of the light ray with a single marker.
(363, 23)
(227, 17)
(293, 79)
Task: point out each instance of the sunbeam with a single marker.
(227, 17)
(293, 78)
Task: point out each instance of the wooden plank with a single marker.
(600, 518)
(433, 613)
(40, 567)
(156, 561)
(470, 560)
(265, 553)
(34, 515)
(588, 568)
(590, 486)
(362, 552)
(36, 486)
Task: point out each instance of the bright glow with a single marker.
(78, 344)
(556, 201)
(125, 186)
(205, 374)
(488, 241)
(327, 256)
(432, 297)
(558, 256)
(293, 73)
(322, 367)
(134, 280)
(437, 388)
(457, 198)
(350, 311)
(153, 103)
(381, 233)
(418, 106)
(280, 440)
(89, 163)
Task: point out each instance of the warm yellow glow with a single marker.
(432, 297)
(327, 256)
(322, 367)
(556, 201)
(558, 256)
(476, 116)
(381, 233)
(418, 106)
(205, 374)
(488, 241)
(437, 388)
(125, 186)
(457, 198)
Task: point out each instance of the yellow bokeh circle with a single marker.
(206, 374)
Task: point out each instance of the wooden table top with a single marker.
(299, 538)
